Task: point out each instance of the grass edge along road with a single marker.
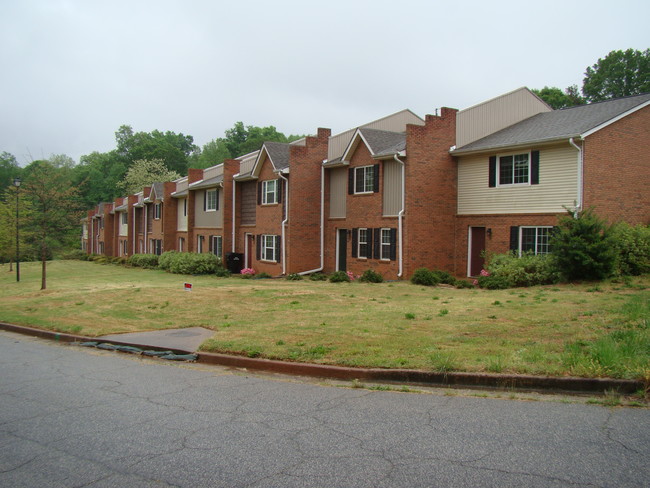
(589, 330)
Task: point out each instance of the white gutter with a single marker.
(580, 177)
(144, 231)
(284, 223)
(134, 233)
(234, 191)
(400, 216)
(322, 224)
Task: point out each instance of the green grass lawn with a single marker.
(576, 329)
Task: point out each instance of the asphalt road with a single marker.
(76, 417)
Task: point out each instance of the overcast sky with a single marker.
(73, 71)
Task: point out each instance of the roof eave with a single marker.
(514, 147)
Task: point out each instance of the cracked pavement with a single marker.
(74, 417)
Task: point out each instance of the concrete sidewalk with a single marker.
(185, 340)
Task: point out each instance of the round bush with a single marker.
(422, 276)
(339, 277)
(371, 276)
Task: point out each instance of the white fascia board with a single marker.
(358, 133)
(615, 119)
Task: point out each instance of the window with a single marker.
(513, 169)
(156, 246)
(125, 218)
(184, 207)
(199, 243)
(156, 210)
(125, 248)
(211, 200)
(269, 192)
(530, 239)
(181, 244)
(101, 223)
(269, 247)
(216, 245)
(364, 179)
(386, 243)
(362, 244)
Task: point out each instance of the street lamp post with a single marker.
(17, 185)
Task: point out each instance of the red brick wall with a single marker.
(303, 230)
(431, 192)
(169, 217)
(617, 170)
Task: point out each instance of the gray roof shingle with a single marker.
(558, 124)
(206, 183)
(383, 142)
(279, 154)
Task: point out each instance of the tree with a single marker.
(97, 175)
(56, 210)
(145, 172)
(583, 247)
(558, 99)
(619, 74)
(9, 169)
(213, 152)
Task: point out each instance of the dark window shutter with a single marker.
(514, 238)
(393, 244)
(534, 168)
(375, 175)
(210, 241)
(259, 193)
(279, 190)
(355, 237)
(278, 248)
(259, 247)
(217, 192)
(376, 235)
(350, 181)
(205, 201)
(492, 180)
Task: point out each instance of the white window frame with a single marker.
(268, 248)
(211, 197)
(181, 244)
(513, 173)
(385, 244)
(184, 207)
(217, 246)
(157, 207)
(125, 218)
(199, 244)
(544, 246)
(360, 243)
(269, 195)
(367, 181)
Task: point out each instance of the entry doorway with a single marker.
(341, 249)
(249, 245)
(476, 251)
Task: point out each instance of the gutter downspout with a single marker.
(234, 191)
(322, 224)
(284, 223)
(134, 233)
(144, 231)
(580, 177)
(400, 215)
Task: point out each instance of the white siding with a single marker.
(493, 115)
(181, 184)
(181, 222)
(247, 163)
(213, 172)
(558, 169)
(338, 192)
(124, 228)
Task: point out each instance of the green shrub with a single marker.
(318, 277)
(147, 261)
(632, 249)
(74, 254)
(444, 277)
(371, 276)
(494, 282)
(583, 247)
(525, 270)
(294, 277)
(262, 275)
(422, 276)
(222, 272)
(463, 284)
(192, 263)
(339, 277)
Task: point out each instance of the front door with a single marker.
(341, 249)
(250, 246)
(476, 250)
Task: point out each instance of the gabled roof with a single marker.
(380, 143)
(559, 124)
(278, 154)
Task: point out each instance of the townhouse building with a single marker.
(398, 193)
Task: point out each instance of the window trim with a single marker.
(199, 243)
(366, 179)
(157, 207)
(520, 249)
(125, 219)
(211, 206)
(364, 243)
(266, 192)
(513, 155)
(385, 246)
(217, 245)
(266, 238)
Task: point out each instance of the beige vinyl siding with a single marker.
(247, 163)
(207, 219)
(493, 115)
(393, 123)
(181, 185)
(213, 172)
(181, 221)
(338, 192)
(392, 197)
(557, 185)
(124, 228)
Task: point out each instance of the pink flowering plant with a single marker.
(247, 272)
(352, 276)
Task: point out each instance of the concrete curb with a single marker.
(401, 376)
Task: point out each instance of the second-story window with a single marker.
(211, 200)
(157, 210)
(125, 218)
(364, 179)
(269, 192)
(514, 169)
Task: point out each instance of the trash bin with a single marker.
(234, 262)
